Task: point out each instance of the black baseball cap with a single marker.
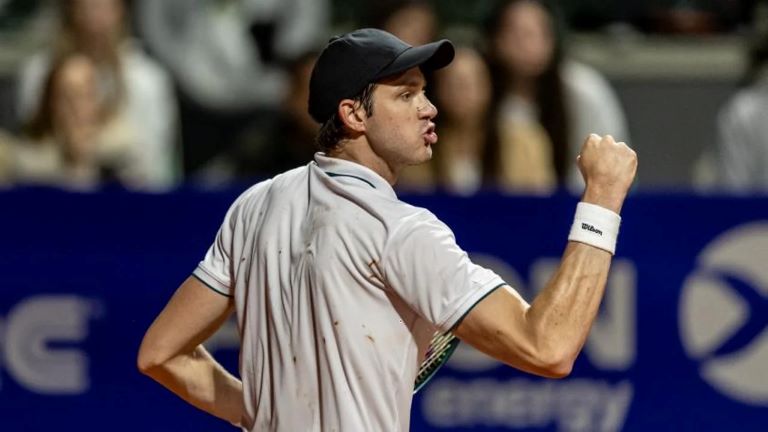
(353, 60)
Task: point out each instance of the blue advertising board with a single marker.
(680, 343)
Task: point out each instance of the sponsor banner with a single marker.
(680, 343)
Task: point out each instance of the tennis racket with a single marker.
(440, 349)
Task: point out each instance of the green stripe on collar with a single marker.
(331, 174)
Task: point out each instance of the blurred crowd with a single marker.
(148, 94)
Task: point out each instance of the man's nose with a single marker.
(427, 110)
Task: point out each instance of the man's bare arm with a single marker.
(545, 337)
(172, 354)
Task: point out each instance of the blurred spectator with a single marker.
(6, 162)
(127, 80)
(279, 144)
(290, 142)
(74, 140)
(691, 16)
(25, 27)
(462, 93)
(228, 59)
(543, 105)
(413, 21)
(742, 147)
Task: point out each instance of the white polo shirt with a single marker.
(338, 287)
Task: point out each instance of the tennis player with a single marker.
(338, 286)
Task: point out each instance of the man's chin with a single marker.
(423, 157)
(428, 150)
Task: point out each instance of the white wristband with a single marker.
(596, 226)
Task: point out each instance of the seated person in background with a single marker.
(228, 60)
(74, 141)
(5, 160)
(413, 21)
(289, 143)
(742, 145)
(542, 104)
(275, 143)
(128, 80)
(462, 95)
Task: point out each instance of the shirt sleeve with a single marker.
(423, 264)
(216, 269)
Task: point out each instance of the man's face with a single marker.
(401, 130)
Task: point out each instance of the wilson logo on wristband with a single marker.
(596, 226)
(588, 227)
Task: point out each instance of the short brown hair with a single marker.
(332, 131)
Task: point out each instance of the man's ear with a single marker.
(352, 114)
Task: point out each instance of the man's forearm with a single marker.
(562, 314)
(197, 378)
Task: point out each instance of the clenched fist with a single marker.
(608, 169)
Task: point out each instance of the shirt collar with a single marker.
(336, 167)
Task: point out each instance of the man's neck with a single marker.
(360, 152)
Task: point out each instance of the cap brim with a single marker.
(431, 56)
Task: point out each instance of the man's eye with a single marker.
(405, 96)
